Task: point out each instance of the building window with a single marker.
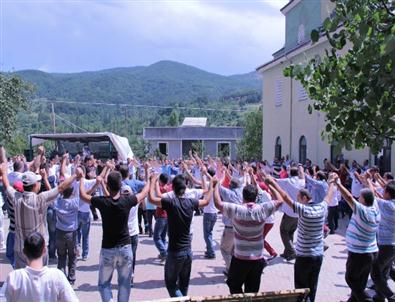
(302, 150)
(302, 93)
(278, 93)
(223, 149)
(277, 148)
(163, 148)
(301, 34)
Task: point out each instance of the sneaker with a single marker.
(71, 282)
(332, 232)
(207, 256)
(84, 258)
(225, 272)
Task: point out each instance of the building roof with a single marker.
(194, 122)
(193, 133)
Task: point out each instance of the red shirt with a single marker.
(160, 213)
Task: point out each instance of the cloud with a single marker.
(220, 36)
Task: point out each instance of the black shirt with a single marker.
(114, 215)
(179, 216)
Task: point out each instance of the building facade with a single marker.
(288, 128)
(176, 142)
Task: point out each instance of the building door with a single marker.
(163, 148)
(302, 150)
(383, 160)
(223, 149)
(336, 151)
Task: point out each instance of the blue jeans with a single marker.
(51, 221)
(178, 272)
(160, 232)
(84, 224)
(209, 220)
(10, 248)
(135, 242)
(119, 258)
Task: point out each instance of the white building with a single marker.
(288, 128)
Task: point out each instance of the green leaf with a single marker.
(315, 35)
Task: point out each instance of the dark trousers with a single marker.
(381, 269)
(142, 216)
(333, 218)
(135, 241)
(287, 230)
(247, 273)
(178, 272)
(150, 215)
(306, 272)
(65, 245)
(358, 267)
(51, 221)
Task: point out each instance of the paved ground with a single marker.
(207, 277)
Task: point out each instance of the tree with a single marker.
(250, 147)
(356, 90)
(14, 95)
(174, 118)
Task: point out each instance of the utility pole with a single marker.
(126, 121)
(53, 118)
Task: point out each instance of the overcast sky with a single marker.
(221, 36)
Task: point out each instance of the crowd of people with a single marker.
(50, 202)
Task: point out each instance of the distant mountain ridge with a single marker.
(161, 83)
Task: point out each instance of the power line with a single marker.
(70, 123)
(142, 106)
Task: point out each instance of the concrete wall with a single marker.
(209, 147)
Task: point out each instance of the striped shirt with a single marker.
(30, 213)
(248, 222)
(362, 229)
(386, 235)
(310, 240)
(12, 178)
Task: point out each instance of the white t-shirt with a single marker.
(133, 224)
(88, 184)
(45, 285)
(210, 208)
(356, 186)
(292, 186)
(336, 198)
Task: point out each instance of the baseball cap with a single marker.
(29, 178)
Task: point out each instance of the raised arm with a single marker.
(144, 192)
(83, 195)
(193, 179)
(217, 198)
(4, 176)
(301, 172)
(284, 196)
(207, 196)
(44, 176)
(331, 188)
(345, 193)
(154, 198)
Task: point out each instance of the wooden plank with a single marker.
(297, 295)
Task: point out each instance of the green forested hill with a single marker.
(163, 83)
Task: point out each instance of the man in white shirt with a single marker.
(37, 282)
(289, 222)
